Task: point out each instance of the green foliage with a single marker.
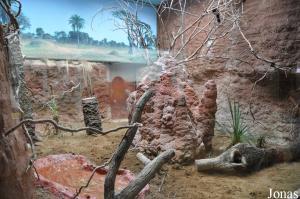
(238, 131)
(24, 22)
(39, 32)
(77, 24)
(52, 104)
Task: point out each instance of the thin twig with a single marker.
(33, 155)
(90, 179)
(37, 174)
(252, 90)
(257, 56)
(97, 131)
(162, 182)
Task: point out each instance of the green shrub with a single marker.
(52, 104)
(238, 131)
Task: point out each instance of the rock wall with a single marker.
(15, 181)
(272, 26)
(175, 117)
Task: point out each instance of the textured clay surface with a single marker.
(15, 180)
(175, 117)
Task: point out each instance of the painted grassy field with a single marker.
(41, 48)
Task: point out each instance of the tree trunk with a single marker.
(77, 37)
(118, 156)
(15, 182)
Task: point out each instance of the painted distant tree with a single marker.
(77, 24)
(39, 32)
(61, 36)
(24, 22)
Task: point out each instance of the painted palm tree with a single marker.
(77, 24)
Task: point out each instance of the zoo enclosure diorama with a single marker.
(173, 94)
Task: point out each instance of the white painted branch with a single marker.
(141, 157)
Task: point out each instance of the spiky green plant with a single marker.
(238, 131)
(239, 128)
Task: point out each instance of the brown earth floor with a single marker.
(181, 182)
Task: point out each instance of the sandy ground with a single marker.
(181, 182)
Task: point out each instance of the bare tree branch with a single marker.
(257, 56)
(149, 171)
(141, 157)
(6, 8)
(97, 131)
(109, 184)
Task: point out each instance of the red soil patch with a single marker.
(64, 174)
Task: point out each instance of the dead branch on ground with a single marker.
(143, 178)
(246, 158)
(134, 187)
(141, 157)
(149, 171)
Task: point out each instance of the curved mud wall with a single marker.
(272, 26)
(70, 81)
(15, 182)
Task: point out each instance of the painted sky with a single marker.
(53, 15)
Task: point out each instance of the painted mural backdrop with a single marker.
(99, 30)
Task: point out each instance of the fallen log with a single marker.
(246, 158)
(149, 171)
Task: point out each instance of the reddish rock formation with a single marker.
(15, 180)
(175, 117)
